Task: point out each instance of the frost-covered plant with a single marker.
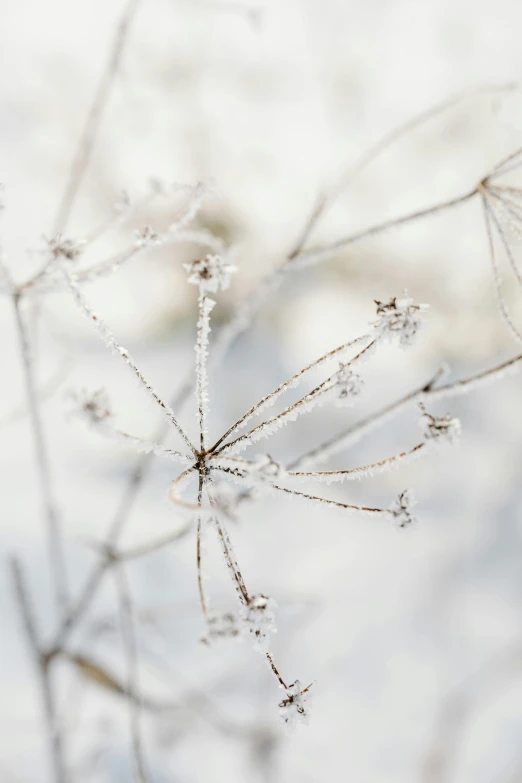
(399, 319)
(216, 502)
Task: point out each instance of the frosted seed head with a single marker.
(400, 509)
(211, 273)
(399, 319)
(93, 407)
(348, 383)
(293, 708)
(146, 237)
(259, 619)
(61, 247)
(440, 429)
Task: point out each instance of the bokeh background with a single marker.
(414, 643)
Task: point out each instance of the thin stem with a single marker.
(354, 432)
(380, 146)
(108, 338)
(88, 137)
(201, 591)
(349, 506)
(292, 411)
(322, 252)
(291, 383)
(128, 634)
(52, 722)
(55, 546)
(496, 275)
(363, 470)
(205, 306)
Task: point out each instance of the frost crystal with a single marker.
(146, 237)
(93, 407)
(440, 429)
(399, 318)
(292, 709)
(221, 626)
(211, 273)
(259, 619)
(401, 509)
(348, 383)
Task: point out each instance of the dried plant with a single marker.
(215, 481)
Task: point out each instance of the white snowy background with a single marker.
(272, 107)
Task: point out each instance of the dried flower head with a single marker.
(146, 237)
(221, 626)
(440, 429)
(399, 318)
(211, 273)
(65, 248)
(92, 406)
(400, 509)
(292, 708)
(349, 384)
(259, 619)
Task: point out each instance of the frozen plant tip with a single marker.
(440, 429)
(211, 274)
(220, 627)
(399, 319)
(349, 384)
(293, 708)
(259, 619)
(93, 407)
(401, 509)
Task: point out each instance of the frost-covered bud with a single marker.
(259, 619)
(146, 237)
(440, 429)
(292, 709)
(92, 407)
(264, 467)
(221, 626)
(348, 383)
(62, 247)
(211, 273)
(401, 509)
(399, 318)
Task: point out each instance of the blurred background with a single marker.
(413, 642)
